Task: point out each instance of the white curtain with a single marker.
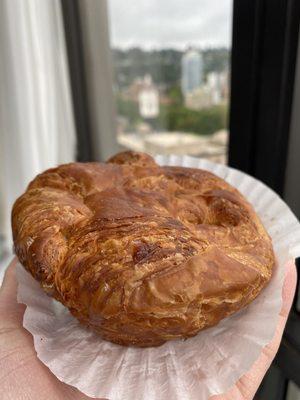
(36, 120)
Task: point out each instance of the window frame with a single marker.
(90, 67)
(77, 72)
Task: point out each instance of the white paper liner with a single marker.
(207, 364)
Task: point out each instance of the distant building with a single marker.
(148, 99)
(214, 85)
(191, 71)
(219, 85)
(225, 84)
(199, 98)
(132, 92)
(213, 92)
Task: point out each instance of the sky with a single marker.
(178, 24)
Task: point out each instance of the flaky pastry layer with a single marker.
(141, 253)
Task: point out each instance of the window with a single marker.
(171, 75)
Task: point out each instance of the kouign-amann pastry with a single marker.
(140, 253)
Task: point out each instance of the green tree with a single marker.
(202, 122)
(128, 109)
(175, 95)
(176, 117)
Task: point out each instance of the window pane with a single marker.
(171, 75)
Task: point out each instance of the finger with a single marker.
(248, 384)
(288, 293)
(11, 312)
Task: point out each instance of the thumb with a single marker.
(11, 312)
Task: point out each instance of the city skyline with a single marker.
(181, 50)
(160, 25)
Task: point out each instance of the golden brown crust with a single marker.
(141, 253)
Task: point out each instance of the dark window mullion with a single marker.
(244, 82)
(77, 70)
(264, 50)
(277, 71)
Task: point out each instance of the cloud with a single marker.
(170, 23)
